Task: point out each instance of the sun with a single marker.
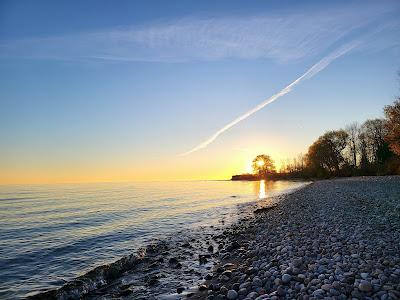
(260, 163)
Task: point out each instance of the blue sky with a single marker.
(99, 91)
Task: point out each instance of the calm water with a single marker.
(50, 234)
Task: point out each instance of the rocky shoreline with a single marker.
(333, 239)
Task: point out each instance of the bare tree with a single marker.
(392, 125)
(374, 132)
(353, 130)
(364, 162)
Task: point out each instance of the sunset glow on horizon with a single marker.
(122, 93)
(184, 169)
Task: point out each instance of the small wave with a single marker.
(100, 276)
(18, 198)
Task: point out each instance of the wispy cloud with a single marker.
(319, 66)
(284, 37)
(315, 69)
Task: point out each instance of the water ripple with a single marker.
(53, 233)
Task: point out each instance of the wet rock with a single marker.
(250, 270)
(334, 292)
(264, 209)
(326, 287)
(252, 295)
(234, 245)
(154, 265)
(232, 295)
(228, 266)
(223, 290)
(125, 292)
(245, 285)
(242, 291)
(173, 260)
(257, 281)
(203, 287)
(356, 294)
(153, 280)
(286, 278)
(178, 265)
(186, 245)
(365, 286)
(281, 291)
(236, 286)
(224, 278)
(297, 262)
(227, 273)
(203, 258)
(216, 286)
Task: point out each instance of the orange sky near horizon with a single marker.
(200, 166)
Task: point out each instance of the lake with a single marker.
(50, 234)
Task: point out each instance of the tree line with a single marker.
(372, 148)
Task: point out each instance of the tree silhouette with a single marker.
(263, 165)
(392, 125)
(325, 154)
(372, 148)
(353, 131)
(378, 148)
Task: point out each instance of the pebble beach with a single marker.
(334, 239)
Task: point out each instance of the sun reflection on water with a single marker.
(261, 194)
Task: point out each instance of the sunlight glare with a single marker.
(261, 194)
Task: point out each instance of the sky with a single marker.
(98, 91)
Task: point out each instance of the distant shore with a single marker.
(333, 238)
(275, 176)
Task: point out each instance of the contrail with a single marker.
(315, 69)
